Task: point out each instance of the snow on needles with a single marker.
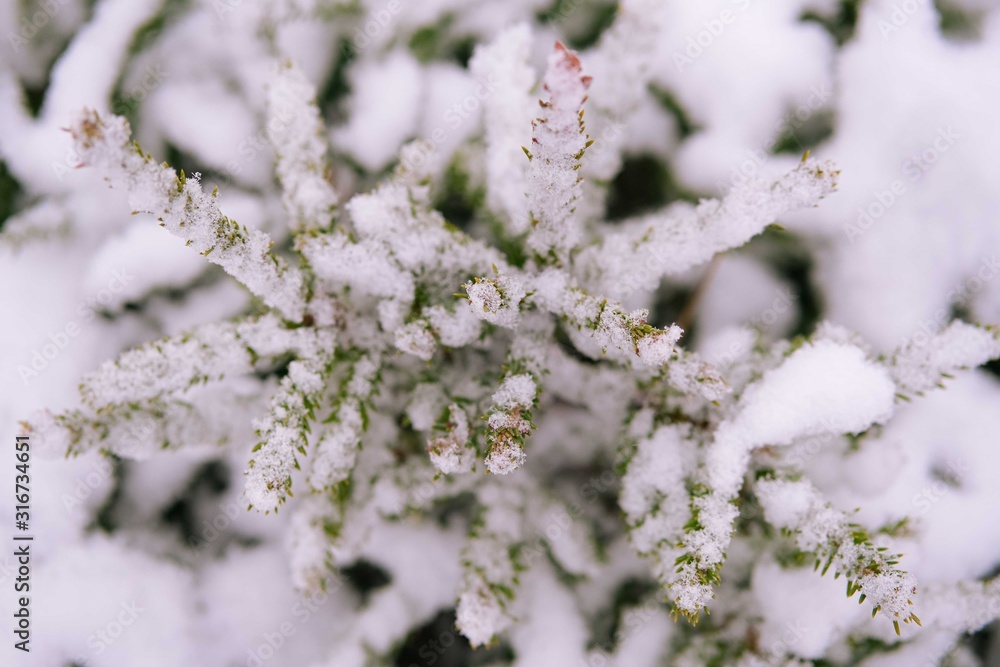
(507, 118)
(370, 380)
(821, 530)
(922, 363)
(181, 206)
(296, 133)
(821, 387)
(557, 145)
(638, 253)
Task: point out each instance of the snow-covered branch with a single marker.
(921, 365)
(491, 565)
(296, 133)
(558, 143)
(180, 204)
(337, 449)
(638, 253)
(825, 532)
(204, 354)
(284, 431)
(507, 123)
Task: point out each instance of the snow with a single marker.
(823, 387)
(489, 566)
(334, 369)
(424, 405)
(622, 67)
(283, 432)
(140, 259)
(187, 211)
(921, 364)
(337, 449)
(938, 148)
(507, 122)
(755, 57)
(671, 241)
(296, 134)
(654, 472)
(376, 130)
(612, 326)
(557, 632)
(45, 220)
(451, 453)
(558, 142)
(496, 301)
(134, 600)
(479, 615)
(456, 329)
(823, 531)
(208, 352)
(743, 299)
(812, 615)
(415, 339)
(515, 390)
(229, 149)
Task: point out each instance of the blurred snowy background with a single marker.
(156, 563)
